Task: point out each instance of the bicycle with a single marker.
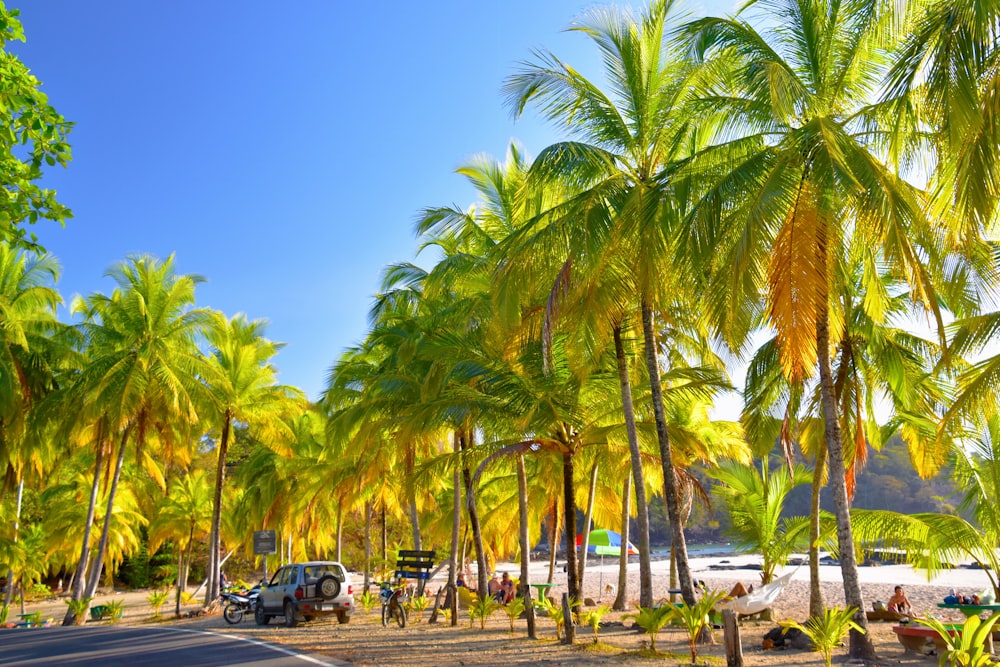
(392, 598)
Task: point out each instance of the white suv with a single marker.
(304, 591)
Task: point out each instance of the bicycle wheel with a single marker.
(233, 613)
(399, 612)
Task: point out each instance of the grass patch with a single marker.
(600, 647)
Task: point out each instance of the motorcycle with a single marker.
(238, 604)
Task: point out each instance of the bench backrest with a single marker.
(414, 564)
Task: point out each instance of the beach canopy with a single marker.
(606, 543)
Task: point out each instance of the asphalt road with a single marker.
(149, 647)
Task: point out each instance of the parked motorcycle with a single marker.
(238, 604)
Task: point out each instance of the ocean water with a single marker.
(696, 550)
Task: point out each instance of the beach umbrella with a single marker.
(605, 542)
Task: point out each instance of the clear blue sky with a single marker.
(280, 150)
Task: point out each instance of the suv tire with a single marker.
(290, 620)
(259, 616)
(343, 617)
(328, 587)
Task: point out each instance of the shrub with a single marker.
(652, 620)
(514, 609)
(697, 618)
(482, 609)
(115, 609)
(827, 632)
(368, 600)
(967, 647)
(157, 599)
(593, 618)
(79, 609)
(417, 604)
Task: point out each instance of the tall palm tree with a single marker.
(240, 386)
(623, 144)
(141, 368)
(795, 181)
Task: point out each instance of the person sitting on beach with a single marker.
(507, 587)
(494, 589)
(899, 603)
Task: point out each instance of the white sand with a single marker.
(877, 582)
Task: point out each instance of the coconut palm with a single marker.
(183, 516)
(240, 386)
(795, 181)
(628, 140)
(140, 371)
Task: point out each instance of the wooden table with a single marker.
(971, 609)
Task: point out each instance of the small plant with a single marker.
(79, 609)
(697, 618)
(966, 647)
(593, 618)
(417, 604)
(652, 620)
(38, 591)
(554, 612)
(482, 609)
(368, 600)
(827, 632)
(4, 610)
(115, 609)
(187, 597)
(514, 609)
(157, 599)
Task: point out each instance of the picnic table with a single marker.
(970, 609)
(543, 591)
(31, 619)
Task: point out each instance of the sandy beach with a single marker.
(365, 642)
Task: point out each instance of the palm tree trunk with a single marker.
(17, 525)
(861, 647)
(340, 530)
(642, 508)
(417, 542)
(385, 534)
(477, 533)
(677, 544)
(456, 526)
(212, 590)
(522, 509)
(180, 582)
(587, 521)
(80, 575)
(368, 543)
(815, 589)
(553, 541)
(569, 517)
(622, 598)
(102, 547)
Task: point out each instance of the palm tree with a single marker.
(795, 182)
(184, 516)
(755, 499)
(140, 372)
(240, 387)
(628, 142)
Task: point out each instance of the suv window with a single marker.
(289, 576)
(276, 579)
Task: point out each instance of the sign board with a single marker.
(265, 542)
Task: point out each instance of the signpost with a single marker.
(265, 542)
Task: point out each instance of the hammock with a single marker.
(761, 598)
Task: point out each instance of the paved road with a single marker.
(149, 647)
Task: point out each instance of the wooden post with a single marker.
(731, 637)
(568, 626)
